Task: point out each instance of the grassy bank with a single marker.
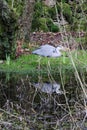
(35, 64)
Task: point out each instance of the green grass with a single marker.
(81, 40)
(34, 63)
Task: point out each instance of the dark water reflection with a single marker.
(50, 111)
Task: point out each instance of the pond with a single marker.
(46, 104)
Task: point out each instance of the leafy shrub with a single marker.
(67, 12)
(52, 12)
(46, 24)
(54, 28)
(84, 26)
(43, 24)
(17, 6)
(49, 23)
(43, 18)
(51, 26)
(38, 12)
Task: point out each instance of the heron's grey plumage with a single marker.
(48, 51)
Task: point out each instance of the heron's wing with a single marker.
(46, 46)
(45, 50)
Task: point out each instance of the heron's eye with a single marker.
(53, 51)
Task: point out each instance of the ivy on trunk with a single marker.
(7, 30)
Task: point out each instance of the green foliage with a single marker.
(49, 25)
(58, 8)
(38, 11)
(81, 8)
(52, 12)
(43, 18)
(43, 12)
(54, 28)
(67, 12)
(85, 26)
(16, 6)
(8, 60)
(43, 24)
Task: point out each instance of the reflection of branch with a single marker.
(64, 117)
(5, 123)
(2, 110)
(85, 112)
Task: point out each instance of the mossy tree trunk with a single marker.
(26, 20)
(7, 30)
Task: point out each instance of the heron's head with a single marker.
(61, 48)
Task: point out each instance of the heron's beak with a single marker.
(66, 49)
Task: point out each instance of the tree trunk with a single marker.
(26, 20)
(7, 30)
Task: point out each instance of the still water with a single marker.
(41, 105)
